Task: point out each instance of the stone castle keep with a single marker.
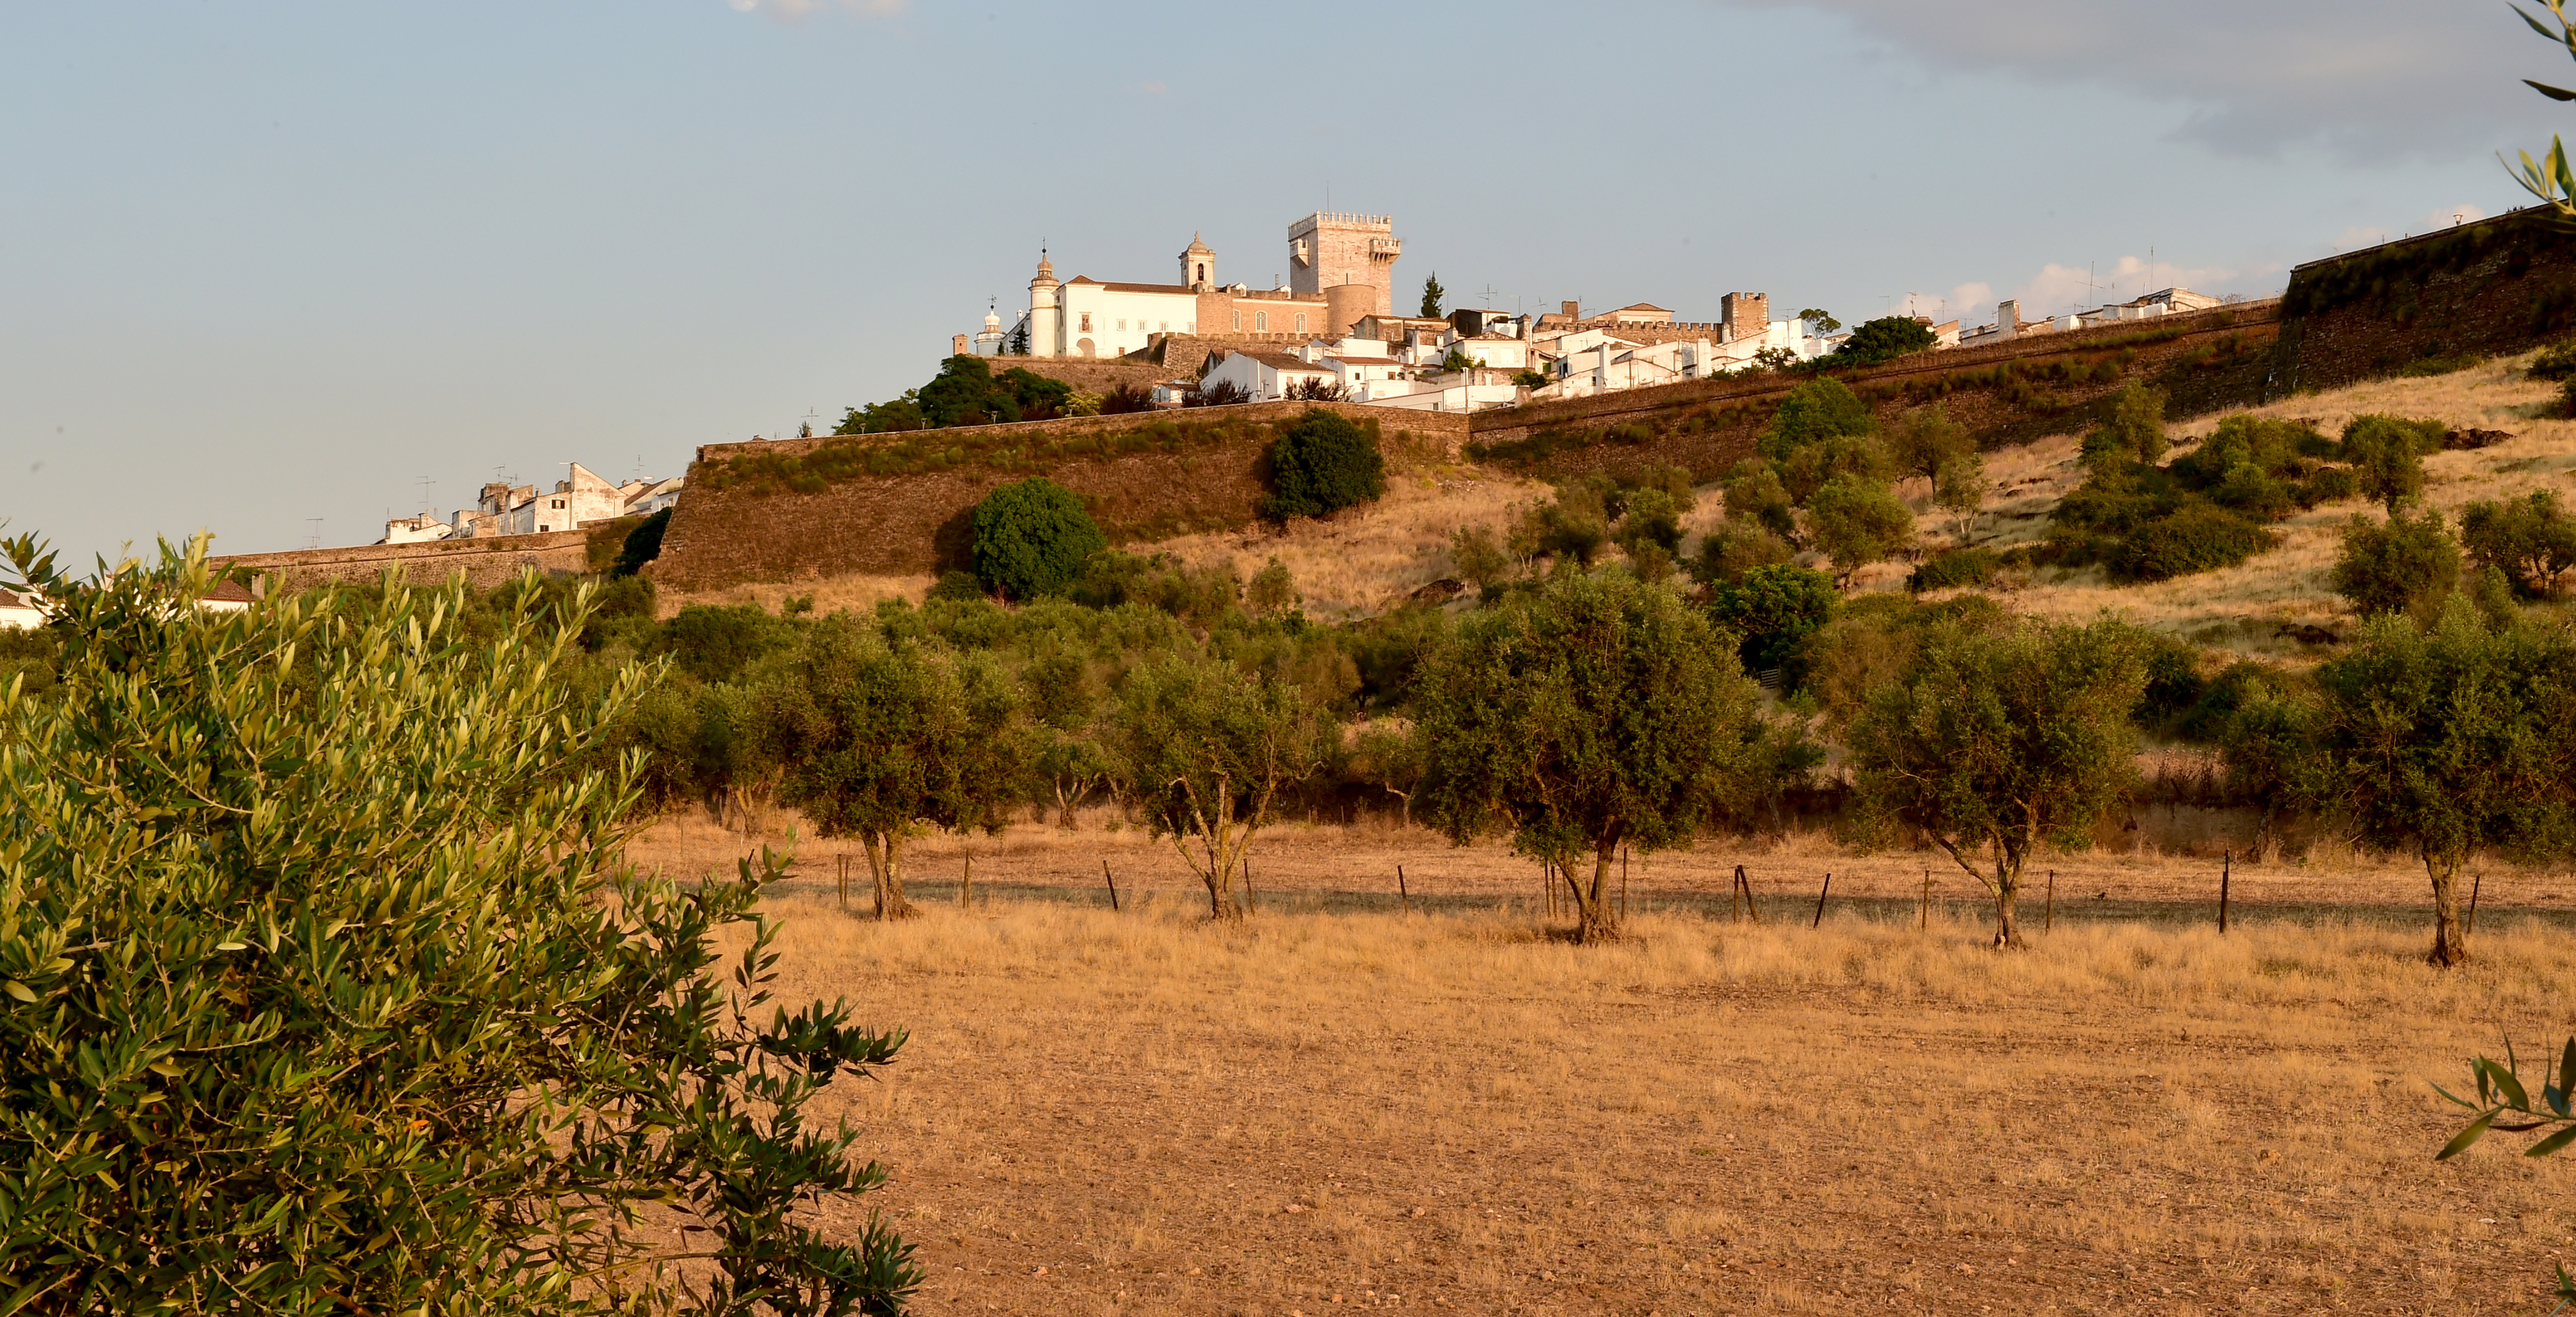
(1342, 268)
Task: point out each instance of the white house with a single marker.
(507, 509)
(419, 528)
(1113, 319)
(1451, 397)
(20, 612)
(1265, 376)
(227, 597)
(1497, 351)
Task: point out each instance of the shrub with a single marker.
(1857, 522)
(1322, 463)
(715, 642)
(2397, 566)
(642, 544)
(1957, 567)
(2529, 539)
(2194, 538)
(1885, 339)
(2387, 456)
(1737, 547)
(1755, 496)
(355, 1006)
(2136, 429)
(2555, 362)
(1032, 538)
(957, 585)
(1815, 410)
(1771, 611)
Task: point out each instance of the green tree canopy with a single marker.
(1032, 538)
(2387, 457)
(880, 738)
(329, 990)
(2135, 431)
(1994, 739)
(1886, 339)
(1771, 611)
(2396, 566)
(2446, 738)
(1592, 712)
(1321, 463)
(1432, 298)
(1815, 410)
(1856, 522)
(1206, 747)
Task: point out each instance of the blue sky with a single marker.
(267, 268)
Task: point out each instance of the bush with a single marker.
(2136, 430)
(1857, 522)
(2555, 362)
(1885, 339)
(958, 586)
(1771, 611)
(1957, 567)
(2529, 539)
(355, 1006)
(1032, 538)
(715, 642)
(2194, 538)
(2387, 456)
(642, 544)
(1322, 463)
(2400, 565)
(1737, 547)
(1818, 409)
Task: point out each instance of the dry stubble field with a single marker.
(1138, 1113)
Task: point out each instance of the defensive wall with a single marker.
(898, 504)
(485, 562)
(2494, 286)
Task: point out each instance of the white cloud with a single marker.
(2370, 79)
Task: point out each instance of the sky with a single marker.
(281, 270)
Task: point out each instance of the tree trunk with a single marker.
(1063, 807)
(1596, 919)
(2450, 942)
(2007, 890)
(966, 882)
(885, 864)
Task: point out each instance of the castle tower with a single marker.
(1046, 319)
(1331, 250)
(1198, 266)
(988, 343)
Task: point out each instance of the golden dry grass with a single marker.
(1139, 1113)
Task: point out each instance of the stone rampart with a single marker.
(486, 562)
(2492, 287)
(898, 504)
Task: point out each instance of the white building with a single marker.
(507, 509)
(1266, 376)
(227, 597)
(419, 528)
(20, 612)
(2163, 302)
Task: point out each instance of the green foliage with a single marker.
(965, 392)
(957, 585)
(1322, 463)
(2400, 565)
(2267, 735)
(1480, 557)
(28, 657)
(1819, 321)
(1531, 379)
(2202, 511)
(1755, 496)
(1207, 747)
(1457, 359)
(1032, 538)
(772, 469)
(2386, 454)
(642, 544)
(1856, 522)
(2446, 738)
(1992, 740)
(1736, 547)
(1273, 591)
(1650, 531)
(879, 738)
(2531, 540)
(2136, 429)
(1572, 527)
(1955, 568)
(1927, 442)
(1885, 339)
(1592, 712)
(1433, 296)
(2555, 362)
(1771, 611)
(2197, 537)
(329, 990)
(1814, 411)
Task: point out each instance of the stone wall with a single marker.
(758, 512)
(1089, 374)
(485, 562)
(2496, 286)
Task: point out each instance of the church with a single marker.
(1342, 268)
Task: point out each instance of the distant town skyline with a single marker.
(263, 264)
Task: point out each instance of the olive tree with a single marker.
(882, 737)
(327, 989)
(1206, 746)
(1592, 712)
(2446, 738)
(1995, 739)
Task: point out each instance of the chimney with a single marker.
(2007, 319)
(1573, 310)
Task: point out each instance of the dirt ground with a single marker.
(1340, 1105)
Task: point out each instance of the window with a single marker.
(1167, 326)
(1238, 317)
(1086, 322)
(558, 503)
(1260, 321)
(1122, 324)
(1301, 322)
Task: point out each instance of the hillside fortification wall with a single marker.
(484, 562)
(2487, 288)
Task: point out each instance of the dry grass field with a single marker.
(1344, 1106)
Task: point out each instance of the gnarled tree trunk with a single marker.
(1596, 919)
(2450, 941)
(885, 864)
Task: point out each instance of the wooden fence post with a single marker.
(1925, 922)
(2051, 920)
(1251, 898)
(842, 880)
(1820, 900)
(1623, 882)
(1400, 892)
(966, 884)
(1106, 877)
(2475, 883)
(2226, 867)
